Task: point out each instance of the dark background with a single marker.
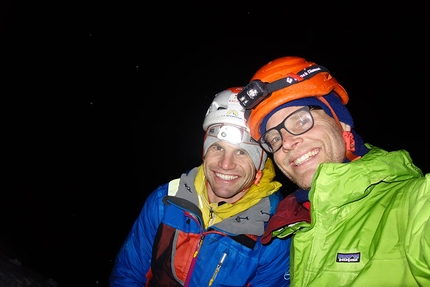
(102, 101)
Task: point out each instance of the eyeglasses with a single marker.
(296, 123)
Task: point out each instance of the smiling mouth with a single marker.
(305, 157)
(225, 176)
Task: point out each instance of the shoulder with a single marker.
(274, 199)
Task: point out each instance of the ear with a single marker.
(348, 137)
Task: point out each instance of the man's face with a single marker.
(229, 170)
(299, 156)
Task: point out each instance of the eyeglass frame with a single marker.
(266, 146)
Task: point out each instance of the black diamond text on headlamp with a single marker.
(256, 90)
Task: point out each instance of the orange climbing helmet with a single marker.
(284, 80)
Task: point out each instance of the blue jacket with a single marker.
(169, 245)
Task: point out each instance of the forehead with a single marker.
(227, 145)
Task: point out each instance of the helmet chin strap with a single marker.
(258, 176)
(348, 137)
(256, 181)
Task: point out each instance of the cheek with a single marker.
(278, 159)
(336, 146)
(247, 165)
(207, 164)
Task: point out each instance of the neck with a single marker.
(213, 198)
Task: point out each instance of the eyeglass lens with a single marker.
(296, 123)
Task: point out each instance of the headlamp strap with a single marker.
(292, 78)
(256, 91)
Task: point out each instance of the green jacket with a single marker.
(369, 225)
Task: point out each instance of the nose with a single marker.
(289, 141)
(227, 161)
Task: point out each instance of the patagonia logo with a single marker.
(348, 257)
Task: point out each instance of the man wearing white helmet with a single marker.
(204, 228)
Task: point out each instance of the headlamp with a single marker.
(256, 90)
(230, 133)
(252, 94)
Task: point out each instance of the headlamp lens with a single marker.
(230, 133)
(252, 94)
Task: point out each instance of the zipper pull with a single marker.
(211, 217)
(218, 267)
(198, 246)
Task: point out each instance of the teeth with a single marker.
(226, 177)
(305, 157)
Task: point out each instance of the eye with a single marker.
(303, 121)
(299, 122)
(216, 147)
(272, 137)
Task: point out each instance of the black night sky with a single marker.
(102, 101)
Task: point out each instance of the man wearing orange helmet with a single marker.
(204, 228)
(360, 216)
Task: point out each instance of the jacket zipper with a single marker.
(196, 252)
(218, 267)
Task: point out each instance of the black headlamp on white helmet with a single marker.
(225, 120)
